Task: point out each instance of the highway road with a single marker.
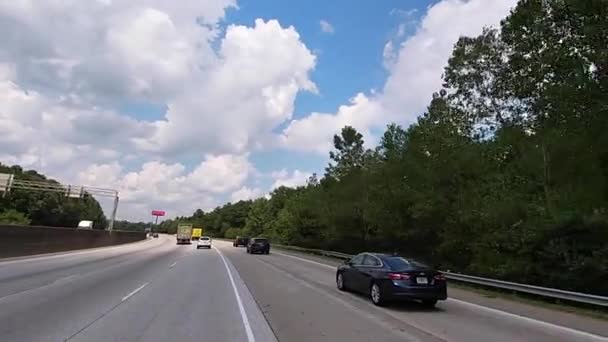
(158, 291)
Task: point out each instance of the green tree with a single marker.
(12, 216)
(259, 217)
(232, 233)
(50, 208)
(349, 154)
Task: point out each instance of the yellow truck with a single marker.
(197, 233)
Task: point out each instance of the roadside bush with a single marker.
(12, 216)
(232, 233)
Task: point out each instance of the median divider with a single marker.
(16, 241)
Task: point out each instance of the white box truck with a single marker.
(85, 225)
(184, 233)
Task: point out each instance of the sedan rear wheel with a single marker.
(376, 295)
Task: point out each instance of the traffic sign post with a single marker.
(157, 213)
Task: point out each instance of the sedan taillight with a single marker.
(439, 276)
(398, 276)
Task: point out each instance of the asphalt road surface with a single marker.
(159, 291)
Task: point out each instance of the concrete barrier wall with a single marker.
(28, 240)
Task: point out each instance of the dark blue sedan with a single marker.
(258, 245)
(386, 278)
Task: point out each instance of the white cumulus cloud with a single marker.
(326, 26)
(313, 133)
(220, 173)
(170, 186)
(68, 67)
(289, 179)
(415, 68)
(246, 193)
(248, 92)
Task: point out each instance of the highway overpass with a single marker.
(156, 290)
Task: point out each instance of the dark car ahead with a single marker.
(155, 235)
(258, 245)
(241, 241)
(386, 278)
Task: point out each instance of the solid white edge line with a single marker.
(244, 317)
(531, 320)
(306, 260)
(134, 292)
(173, 264)
(481, 307)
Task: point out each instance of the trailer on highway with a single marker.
(184, 233)
(85, 224)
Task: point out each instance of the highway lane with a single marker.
(300, 310)
(28, 273)
(304, 287)
(158, 291)
(149, 291)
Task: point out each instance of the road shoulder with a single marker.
(572, 320)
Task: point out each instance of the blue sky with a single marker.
(349, 59)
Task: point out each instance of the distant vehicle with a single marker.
(155, 235)
(197, 233)
(258, 245)
(241, 241)
(184, 233)
(386, 278)
(204, 242)
(85, 225)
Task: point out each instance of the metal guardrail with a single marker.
(501, 284)
(316, 251)
(536, 290)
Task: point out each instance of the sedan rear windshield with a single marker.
(260, 240)
(400, 263)
(205, 238)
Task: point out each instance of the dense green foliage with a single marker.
(227, 220)
(46, 208)
(505, 175)
(131, 226)
(12, 216)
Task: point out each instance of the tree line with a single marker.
(43, 208)
(132, 226)
(505, 175)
